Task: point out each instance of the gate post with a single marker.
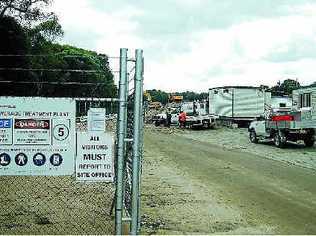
(121, 134)
(137, 139)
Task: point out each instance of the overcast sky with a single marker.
(199, 44)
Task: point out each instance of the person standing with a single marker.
(182, 119)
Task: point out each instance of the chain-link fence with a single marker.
(130, 144)
(60, 204)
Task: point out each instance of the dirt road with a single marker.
(190, 186)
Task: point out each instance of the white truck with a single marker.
(197, 115)
(162, 118)
(284, 125)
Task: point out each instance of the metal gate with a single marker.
(129, 144)
(60, 204)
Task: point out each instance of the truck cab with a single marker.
(197, 115)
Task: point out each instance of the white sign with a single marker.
(95, 157)
(37, 136)
(96, 119)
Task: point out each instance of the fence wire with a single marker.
(60, 205)
(129, 157)
(54, 205)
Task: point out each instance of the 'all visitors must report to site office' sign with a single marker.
(94, 161)
(37, 136)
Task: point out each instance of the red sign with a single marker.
(31, 124)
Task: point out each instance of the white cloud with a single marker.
(245, 65)
(113, 30)
(232, 56)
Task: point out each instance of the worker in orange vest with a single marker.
(182, 119)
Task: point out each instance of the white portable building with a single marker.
(239, 102)
(281, 102)
(304, 100)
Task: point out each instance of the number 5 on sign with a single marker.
(61, 131)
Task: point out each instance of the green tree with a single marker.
(159, 96)
(14, 41)
(26, 11)
(192, 96)
(285, 88)
(37, 38)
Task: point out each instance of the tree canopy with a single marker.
(26, 10)
(37, 65)
(163, 97)
(285, 88)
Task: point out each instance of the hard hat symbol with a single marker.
(39, 159)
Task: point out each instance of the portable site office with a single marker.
(238, 103)
(304, 100)
(281, 102)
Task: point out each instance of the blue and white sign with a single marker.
(37, 136)
(6, 131)
(21, 159)
(5, 123)
(5, 159)
(56, 159)
(39, 159)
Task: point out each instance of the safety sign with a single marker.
(37, 136)
(5, 131)
(5, 159)
(56, 159)
(94, 160)
(96, 119)
(21, 159)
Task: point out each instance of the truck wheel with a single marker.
(278, 141)
(309, 142)
(207, 125)
(253, 136)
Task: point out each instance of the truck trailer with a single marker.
(238, 104)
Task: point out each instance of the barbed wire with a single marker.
(59, 55)
(50, 82)
(56, 70)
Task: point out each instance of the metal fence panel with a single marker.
(59, 204)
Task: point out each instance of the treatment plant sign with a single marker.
(37, 136)
(94, 161)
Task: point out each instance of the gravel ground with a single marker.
(191, 186)
(237, 139)
(56, 205)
